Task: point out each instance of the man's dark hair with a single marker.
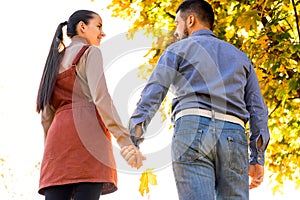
(201, 8)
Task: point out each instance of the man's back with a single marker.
(211, 74)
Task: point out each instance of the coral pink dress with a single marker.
(78, 146)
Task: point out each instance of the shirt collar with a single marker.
(78, 39)
(203, 32)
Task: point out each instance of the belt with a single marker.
(207, 113)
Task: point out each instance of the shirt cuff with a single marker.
(257, 156)
(136, 141)
(132, 129)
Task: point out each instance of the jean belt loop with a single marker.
(212, 115)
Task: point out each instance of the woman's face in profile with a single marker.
(93, 30)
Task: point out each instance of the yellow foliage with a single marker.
(263, 42)
(230, 31)
(248, 20)
(147, 178)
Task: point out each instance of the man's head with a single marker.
(191, 16)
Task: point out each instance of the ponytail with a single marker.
(56, 52)
(50, 72)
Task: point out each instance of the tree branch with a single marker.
(278, 104)
(293, 98)
(297, 19)
(170, 15)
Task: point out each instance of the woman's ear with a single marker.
(81, 26)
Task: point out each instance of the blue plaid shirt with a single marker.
(205, 72)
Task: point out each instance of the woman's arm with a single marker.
(47, 116)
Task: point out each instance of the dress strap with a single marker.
(80, 53)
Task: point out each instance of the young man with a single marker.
(216, 92)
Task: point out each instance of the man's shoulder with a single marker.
(176, 45)
(180, 44)
(231, 47)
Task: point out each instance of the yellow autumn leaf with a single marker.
(248, 20)
(146, 178)
(230, 32)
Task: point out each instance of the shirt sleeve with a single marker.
(47, 116)
(102, 99)
(154, 92)
(258, 118)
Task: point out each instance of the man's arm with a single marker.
(152, 95)
(259, 132)
(260, 136)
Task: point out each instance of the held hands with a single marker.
(133, 156)
(131, 153)
(256, 172)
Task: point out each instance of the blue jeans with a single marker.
(210, 159)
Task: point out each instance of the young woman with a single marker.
(78, 116)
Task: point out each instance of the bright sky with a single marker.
(27, 29)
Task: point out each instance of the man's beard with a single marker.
(185, 33)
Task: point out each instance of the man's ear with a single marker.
(190, 20)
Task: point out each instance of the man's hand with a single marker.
(133, 156)
(256, 172)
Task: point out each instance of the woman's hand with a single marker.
(133, 156)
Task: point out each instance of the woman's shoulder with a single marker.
(92, 53)
(93, 50)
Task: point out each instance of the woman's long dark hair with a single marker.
(55, 55)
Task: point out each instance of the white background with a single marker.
(27, 29)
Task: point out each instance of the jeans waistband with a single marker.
(208, 113)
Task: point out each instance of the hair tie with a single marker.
(64, 23)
